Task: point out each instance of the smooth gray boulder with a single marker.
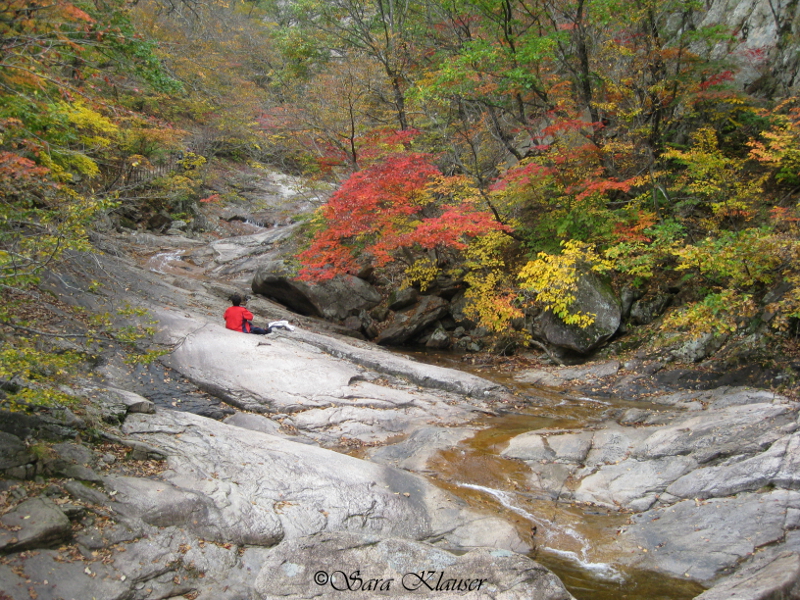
(594, 296)
(531, 446)
(254, 422)
(413, 453)
(133, 402)
(403, 298)
(614, 443)
(438, 340)
(778, 466)
(166, 563)
(737, 429)
(720, 397)
(248, 487)
(234, 250)
(329, 387)
(586, 374)
(632, 484)
(548, 445)
(346, 566)
(571, 447)
(337, 298)
(769, 575)
(76, 454)
(703, 539)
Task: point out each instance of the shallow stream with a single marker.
(568, 538)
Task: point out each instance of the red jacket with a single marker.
(236, 318)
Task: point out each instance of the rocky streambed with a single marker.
(309, 464)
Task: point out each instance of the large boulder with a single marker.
(400, 299)
(411, 322)
(233, 485)
(337, 298)
(594, 296)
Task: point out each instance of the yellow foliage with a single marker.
(787, 307)
(423, 272)
(38, 371)
(744, 258)
(490, 300)
(87, 119)
(490, 297)
(716, 179)
(781, 146)
(554, 279)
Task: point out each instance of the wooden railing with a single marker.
(129, 175)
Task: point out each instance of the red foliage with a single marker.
(782, 214)
(522, 175)
(633, 231)
(15, 167)
(602, 186)
(564, 125)
(717, 79)
(376, 144)
(383, 208)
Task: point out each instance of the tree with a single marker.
(401, 208)
(63, 124)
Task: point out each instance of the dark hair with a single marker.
(236, 299)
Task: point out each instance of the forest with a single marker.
(513, 145)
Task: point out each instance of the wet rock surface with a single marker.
(711, 483)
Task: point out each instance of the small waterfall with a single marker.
(549, 530)
(159, 262)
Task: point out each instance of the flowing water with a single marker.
(572, 540)
(164, 262)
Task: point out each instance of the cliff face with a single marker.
(767, 55)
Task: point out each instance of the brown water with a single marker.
(572, 540)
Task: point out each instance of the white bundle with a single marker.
(281, 325)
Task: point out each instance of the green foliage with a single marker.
(645, 258)
(591, 135)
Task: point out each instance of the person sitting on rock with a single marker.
(238, 318)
